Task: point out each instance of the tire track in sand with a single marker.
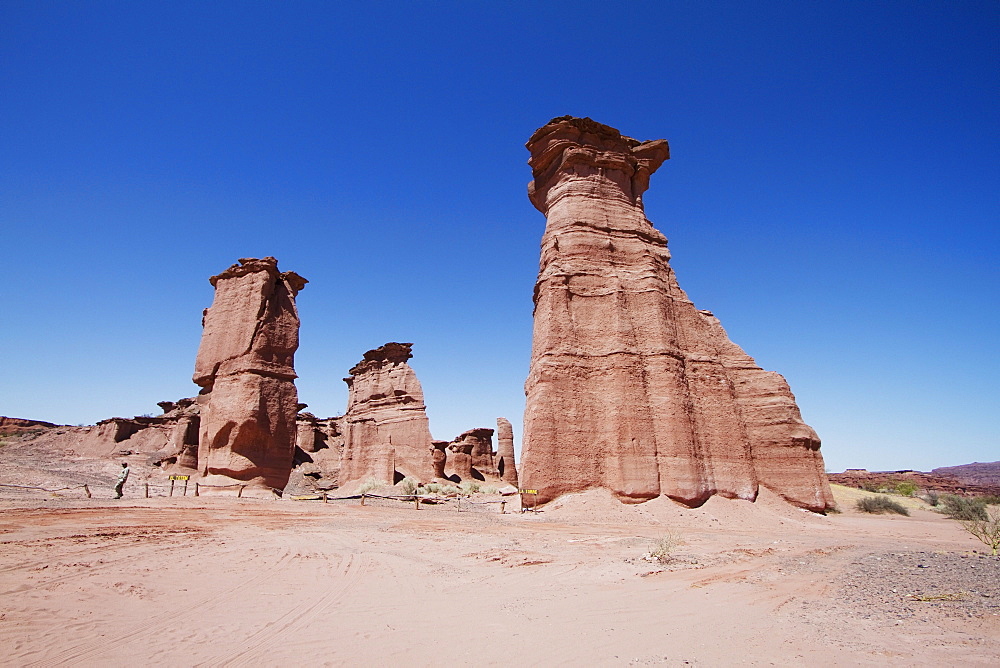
(88, 651)
(351, 570)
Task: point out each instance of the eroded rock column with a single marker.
(245, 367)
(632, 388)
(506, 467)
(386, 431)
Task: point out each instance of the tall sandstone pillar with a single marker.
(506, 467)
(245, 367)
(632, 388)
(386, 431)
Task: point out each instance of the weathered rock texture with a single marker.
(386, 432)
(506, 468)
(482, 453)
(460, 461)
(631, 387)
(245, 367)
(439, 456)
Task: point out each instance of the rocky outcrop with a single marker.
(506, 467)
(439, 457)
(11, 426)
(386, 432)
(984, 474)
(935, 481)
(481, 440)
(245, 367)
(632, 388)
(460, 461)
(319, 447)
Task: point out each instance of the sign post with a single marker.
(533, 493)
(175, 478)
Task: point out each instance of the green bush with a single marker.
(962, 508)
(906, 488)
(880, 504)
(932, 498)
(991, 500)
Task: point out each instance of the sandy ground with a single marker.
(223, 581)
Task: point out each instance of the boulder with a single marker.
(630, 387)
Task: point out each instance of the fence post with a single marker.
(239, 494)
(196, 489)
(86, 490)
(172, 481)
(417, 500)
(503, 505)
(185, 488)
(362, 498)
(147, 490)
(324, 496)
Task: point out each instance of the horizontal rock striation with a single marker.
(245, 367)
(631, 387)
(386, 431)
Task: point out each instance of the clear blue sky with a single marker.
(832, 196)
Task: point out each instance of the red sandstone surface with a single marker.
(386, 431)
(245, 366)
(632, 388)
(506, 466)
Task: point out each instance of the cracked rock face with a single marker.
(245, 366)
(386, 431)
(631, 387)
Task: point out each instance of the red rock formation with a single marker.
(439, 455)
(934, 481)
(460, 461)
(386, 432)
(984, 474)
(506, 467)
(245, 366)
(11, 426)
(631, 387)
(481, 440)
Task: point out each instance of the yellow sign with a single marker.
(527, 491)
(179, 477)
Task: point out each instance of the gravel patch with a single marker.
(918, 584)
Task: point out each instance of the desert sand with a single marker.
(224, 581)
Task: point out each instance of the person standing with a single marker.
(122, 477)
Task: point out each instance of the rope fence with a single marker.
(152, 490)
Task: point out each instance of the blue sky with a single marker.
(832, 195)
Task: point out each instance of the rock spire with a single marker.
(506, 468)
(631, 387)
(386, 431)
(245, 367)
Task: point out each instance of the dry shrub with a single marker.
(880, 504)
(987, 530)
(962, 508)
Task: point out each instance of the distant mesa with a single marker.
(631, 388)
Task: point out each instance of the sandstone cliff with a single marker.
(630, 386)
(245, 366)
(386, 432)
